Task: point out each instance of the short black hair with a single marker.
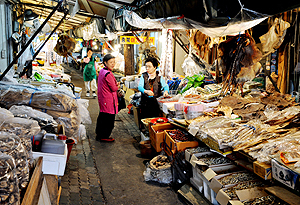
(89, 49)
(107, 57)
(154, 62)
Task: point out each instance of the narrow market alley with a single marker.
(110, 173)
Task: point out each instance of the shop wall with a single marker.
(3, 41)
(5, 31)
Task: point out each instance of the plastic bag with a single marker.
(136, 99)
(158, 171)
(190, 68)
(10, 193)
(5, 114)
(45, 99)
(46, 122)
(11, 145)
(82, 132)
(83, 105)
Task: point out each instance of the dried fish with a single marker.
(231, 192)
(265, 200)
(198, 150)
(215, 160)
(236, 178)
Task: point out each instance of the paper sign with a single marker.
(215, 185)
(193, 160)
(133, 40)
(235, 202)
(249, 194)
(209, 174)
(222, 197)
(199, 162)
(193, 131)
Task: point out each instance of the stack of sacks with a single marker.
(60, 105)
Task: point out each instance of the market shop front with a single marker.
(227, 130)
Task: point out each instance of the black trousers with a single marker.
(149, 108)
(105, 125)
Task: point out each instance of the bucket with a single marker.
(145, 148)
(70, 143)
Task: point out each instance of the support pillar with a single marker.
(129, 59)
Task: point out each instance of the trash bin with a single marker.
(70, 143)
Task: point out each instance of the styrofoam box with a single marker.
(197, 183)
(54, 164)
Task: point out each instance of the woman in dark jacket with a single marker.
(151, 86)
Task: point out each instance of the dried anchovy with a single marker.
(265, 200)
(237, 177)
(215, 160)
(198, 149)
(231, 192)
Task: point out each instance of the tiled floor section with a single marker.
(81, 183)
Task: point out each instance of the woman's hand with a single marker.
(166, 94)
(149, 92)
(118, 84)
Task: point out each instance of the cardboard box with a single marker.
(216, 185)
(172, 147)
(263, 170)
(137, 116)
(284, 175)
(188, 152)
(78, 91)
(61, 129)
(196, 159)
(243, 195)
(157, 139)
(197, 184)
(54, 164)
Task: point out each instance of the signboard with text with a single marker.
(133, 40)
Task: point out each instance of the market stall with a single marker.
(232, 141)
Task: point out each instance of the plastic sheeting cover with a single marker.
(176, 22)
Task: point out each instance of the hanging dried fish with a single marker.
(65, 46)
(239, 60)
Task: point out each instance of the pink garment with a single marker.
(107, 92)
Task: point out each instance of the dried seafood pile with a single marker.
(9, 183)
(265, 200)
(231, 192)
(236, 178)
(215, 160)
(271, 126)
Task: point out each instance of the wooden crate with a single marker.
(171, 147)
(157, 139)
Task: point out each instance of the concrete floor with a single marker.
(110, 173)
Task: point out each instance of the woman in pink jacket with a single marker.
(108, 100)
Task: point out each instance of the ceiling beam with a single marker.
(51, 7)
(44, 13)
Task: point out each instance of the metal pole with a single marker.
(29, 41)
(41, 47)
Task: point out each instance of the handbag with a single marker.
(121, 100)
